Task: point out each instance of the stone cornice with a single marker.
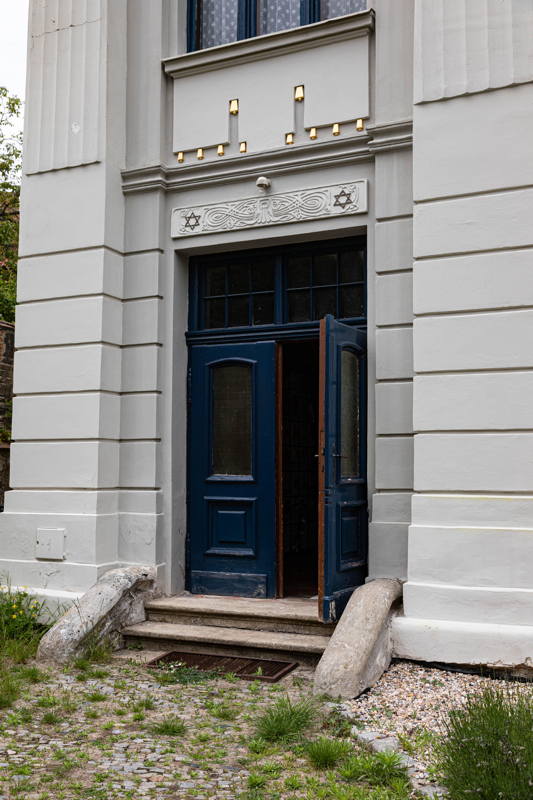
(314, 155)
(270, 45)
(390, 135)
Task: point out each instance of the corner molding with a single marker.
(270, 45)
(276, 209)
(395, 135)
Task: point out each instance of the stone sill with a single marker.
(306, 37)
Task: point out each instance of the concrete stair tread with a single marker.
(293, 609)
(239, 637)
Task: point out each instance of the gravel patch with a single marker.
(410, 698)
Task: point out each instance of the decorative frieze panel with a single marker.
(276, 209)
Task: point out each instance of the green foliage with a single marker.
(172, 726)
(10, 166)
(337, 725)
(20, 625)
(487, 751)
(47, 701)
(51, 718)
(377, 769)
(325, 753)
(222, 711)
(96, 697)
(96, 650)
(285, 720)
(9, 690)
(178, 672)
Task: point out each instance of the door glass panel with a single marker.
(218, 22)
(278, 16)
(349, 422)
(232, 419)
(337, 8)
(238, 311)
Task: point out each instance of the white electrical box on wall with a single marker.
(50, 544)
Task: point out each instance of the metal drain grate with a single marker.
(250, 669)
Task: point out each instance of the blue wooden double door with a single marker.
(277, 500)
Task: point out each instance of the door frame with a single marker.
(278, 332)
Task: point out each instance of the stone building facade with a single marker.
(400, 132)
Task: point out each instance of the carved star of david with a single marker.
(343, 199)
(191, 221)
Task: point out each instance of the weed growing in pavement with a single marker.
(487, 750)
(376, 769)
(293, 783)
(21, 623)
(337, 725)
(96, 649)
(31, 675)
(178, 672)
(9, 690)
(324, 753)
(222, 711)
(47, 701)
(285, 720)
(51, 718)
(96, 697)
(256, 781)
(418, 742)
(172, 726)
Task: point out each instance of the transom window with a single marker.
(214, 22)
(297, 285)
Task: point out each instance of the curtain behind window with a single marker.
(278, 15)
(219, 22)
(337, 8)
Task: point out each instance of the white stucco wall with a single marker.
(100, 371)
(469, 595)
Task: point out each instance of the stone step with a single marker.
(289, 615)
(304, 648)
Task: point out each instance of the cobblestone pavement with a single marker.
(91, 734)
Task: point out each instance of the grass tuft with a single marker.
(285, 720)
(172, 726)
(9, 690)
(51, 718)
(377, 769)
(326, 753)
(222, 711)
(96, 697)
(487, 751)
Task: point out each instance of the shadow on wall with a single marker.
(7, 338)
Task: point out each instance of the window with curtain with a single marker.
(216, 22)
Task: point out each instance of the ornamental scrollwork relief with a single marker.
(276, 209)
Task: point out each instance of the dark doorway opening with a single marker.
(299, 482)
